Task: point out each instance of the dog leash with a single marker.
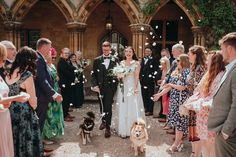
(103, 113)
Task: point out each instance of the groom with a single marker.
(105, 85)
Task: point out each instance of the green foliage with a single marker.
(150, 7)
(219, 19)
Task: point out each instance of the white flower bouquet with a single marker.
(120, 71)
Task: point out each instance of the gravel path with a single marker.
(70, 145)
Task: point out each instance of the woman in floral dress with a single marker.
(197, 59)
(25, 127)
(178, 94)
(201, 102)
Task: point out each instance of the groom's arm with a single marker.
(94, 73)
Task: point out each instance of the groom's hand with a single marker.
(95, 89)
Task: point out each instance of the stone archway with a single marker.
(86, 9)
(22, 7)
(193, 17)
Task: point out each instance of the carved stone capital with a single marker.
(140, 28)
(196, 30)
(76, 26)
(12, 25)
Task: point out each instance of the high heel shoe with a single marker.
(173, 148)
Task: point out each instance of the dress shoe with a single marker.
(70, 116)
(67, 119)
(162, 120)
(172, 132)
(48, 142)
(102, 126)
(148, 114)
(47, 150)
(107, 133)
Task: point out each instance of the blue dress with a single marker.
(25, 127)
(177, 98)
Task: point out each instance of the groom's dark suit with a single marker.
(44, 89)
(107, 84)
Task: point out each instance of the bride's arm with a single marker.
(136, 76)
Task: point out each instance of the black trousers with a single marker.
(41, 111)
(106, 100)
(67, 95)
(147, 93)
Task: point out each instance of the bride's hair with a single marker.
(134, 57)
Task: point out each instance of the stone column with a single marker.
(76, 35)
(12, 29)
(139, 34)
(198, 36)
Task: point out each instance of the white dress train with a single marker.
(128, 104)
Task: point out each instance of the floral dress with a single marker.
(176, 99)
(25, 126)
(192, 82)
(54, 123)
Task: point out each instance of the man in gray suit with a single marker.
(222, 117)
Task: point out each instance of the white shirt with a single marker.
(106, 61)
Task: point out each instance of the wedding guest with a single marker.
(11, 54)
(201, 102)
(222, 116)
(197, 59)
(165, 53)
(178, 94)
(6, 141)
(54, 123)
(149, 75)
(66, 82)
(177, 50)
(165, 66)
(78, 88)
(25, 126)
(43, 81)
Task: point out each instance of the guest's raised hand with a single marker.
(156, 97)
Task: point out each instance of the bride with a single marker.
(129, 99)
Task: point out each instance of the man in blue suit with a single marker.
(43, 82)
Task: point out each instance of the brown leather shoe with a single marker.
(107, 133)
(102, 126)
(47, 150)
(70, 116)
(67, 119)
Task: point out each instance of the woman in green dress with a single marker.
(54, 123)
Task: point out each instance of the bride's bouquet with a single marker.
(120, 71)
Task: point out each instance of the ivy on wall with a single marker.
(219, 18)
(150, 7)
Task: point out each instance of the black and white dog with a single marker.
(87, 127)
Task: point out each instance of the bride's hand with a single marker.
(135, 91)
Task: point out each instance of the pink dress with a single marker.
(6, 141)
(202, 106)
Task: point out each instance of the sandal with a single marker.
(192, 154)
(167, 128)
(173, 149)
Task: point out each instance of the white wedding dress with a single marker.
(129, 106)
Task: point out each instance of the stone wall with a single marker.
(46, 17)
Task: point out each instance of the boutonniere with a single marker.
(113, 59)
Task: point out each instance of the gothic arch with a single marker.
(22, 7)
(129, 8)
(193, 17)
